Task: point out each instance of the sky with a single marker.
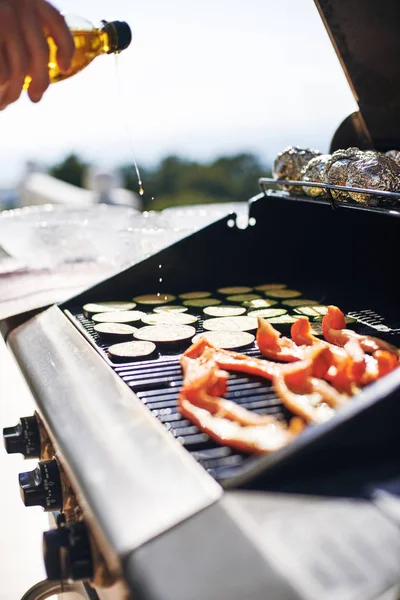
(199, 80)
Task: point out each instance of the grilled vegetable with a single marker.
(130, 351)
(224, 311)
(312, 310)
(333, 327)
(267, 313)
(193, 295)
(269, 286)
(166, 318)
(122, 316)
(154, 299)
(114, 331)
(230, 340)
(231, 324)
(274, 346)
(283, 323)
(172, 308)
(299, 302)
(199, 303)
(168, 335)
(260, 439)
(260, 303)
(347, 320)
(230, 291)
(239, 298)
(283, 294)
(94, 308)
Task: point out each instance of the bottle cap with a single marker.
(120, 35)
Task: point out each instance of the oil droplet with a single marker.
(159, 266)
(158, 294)
(160, 280)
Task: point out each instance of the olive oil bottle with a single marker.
(90, 41)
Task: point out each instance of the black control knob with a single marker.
(24, 438)
(67, 553)
(42, 486)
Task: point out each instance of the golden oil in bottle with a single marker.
(90, 42)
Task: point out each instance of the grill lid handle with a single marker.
(365, 35)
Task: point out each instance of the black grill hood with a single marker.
(365, 35)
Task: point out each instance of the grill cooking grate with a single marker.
(157, 384)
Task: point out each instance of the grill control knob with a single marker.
(42, 486)
(24, 438)
(67, 553)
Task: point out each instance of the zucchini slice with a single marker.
(224, 311)
(267, 313)
(166, 335)
(130, 351)
(259, 303)
(170, 308)
(96, 308)
(239, 298)
(199, 303)
(228, 340)
(114, 331)
(121, 316)
(299, 302)
(167, 318)
(231, 324)
(347, 320)
(230, 291)
(311, 311)
(194, 295)
(154, 299)
(265, 287)
(283, 294)
(282, 323)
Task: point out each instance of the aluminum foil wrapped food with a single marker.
(395, 154)
(337, 167)
(314, 171)
(378, 172)
(289, 163)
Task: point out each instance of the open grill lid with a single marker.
(366, 38)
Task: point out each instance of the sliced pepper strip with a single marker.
(306, 395)
(333, 328)
(260, 439)
(349, 362)
(273, 345)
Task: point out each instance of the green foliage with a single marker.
(176, 181)
(71, 170)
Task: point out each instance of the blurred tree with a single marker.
(176, 181)
(71, 170)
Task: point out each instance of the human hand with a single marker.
(24, 26)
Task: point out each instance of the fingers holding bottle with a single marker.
(38, 49)
(14, 55)
(54, 24)
(24, 51)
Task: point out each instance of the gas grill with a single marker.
(147, 506)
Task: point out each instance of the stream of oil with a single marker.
(124, 113)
